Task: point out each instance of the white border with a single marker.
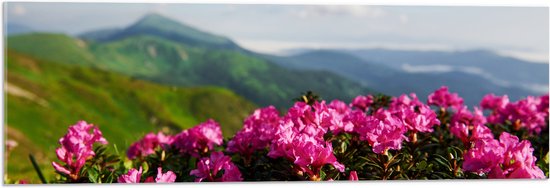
(406, 184)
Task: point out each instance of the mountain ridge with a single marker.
(159, 25)
(395, 81)
(157, 57)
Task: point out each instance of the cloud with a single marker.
(340, 10)
(19, 10)
(403, 18)
(158, 8)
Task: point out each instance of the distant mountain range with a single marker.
(14, 29)
(501, 70)
(472, 74)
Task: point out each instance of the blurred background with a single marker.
(136, 68)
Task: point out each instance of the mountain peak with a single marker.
(158, 25)
(155, 19)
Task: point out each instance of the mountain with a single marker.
(498, 69)
(43, 98)
(100, 35)
(393, 81)
(158, 25)
(338, 62)
(172, 53)
(52, 47)
(15, 28)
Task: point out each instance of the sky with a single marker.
(520, 32)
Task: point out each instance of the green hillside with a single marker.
(52, 47)
(44, 98)
(158, 59)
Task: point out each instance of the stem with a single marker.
(37, 169)
(414, 138)
(385, 163)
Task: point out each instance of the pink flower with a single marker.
(404, 100)
(10, 144)
(133, 176)
(168, 177)
(518, 160)
(148, 144)
(525, 113)
(477, 132)
(314, 121)
(543, 106)
(497, 105)
(311, 156)
(353, 176)
(417, 118)
(490, 101)
(383, 131)
(308, 154)
(76, 148)
(484, 156)
(338, 111)
(529, 113)
(507, 158)
(298, 140)
(469, 127)
(208, 169)
(199, 139)
(355, 119)
(258, 132)
(362, 102)
(444, 99)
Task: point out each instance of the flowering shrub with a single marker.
(374, 137)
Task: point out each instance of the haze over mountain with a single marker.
(391, 75)
(501, 70)
(14, 29)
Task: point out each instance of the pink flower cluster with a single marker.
(199, 139)
(148, 144)
(444, 99)
(194, 141)
(469, 127)
(134, 176)
(530, 113)
(383, 131)
(209, 169)
(77, 147)
(503, 158)
(416, 116)
(299, 138)
(257, 133)
(362, 102)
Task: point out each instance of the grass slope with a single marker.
(44, 98)
(161, 60)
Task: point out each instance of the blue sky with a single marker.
(515, 31)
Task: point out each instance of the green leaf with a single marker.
(116, 150)
(421, 165)
(37, 169)
(93, 175)
(374, 165)
(443, 161)
(145, 167)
